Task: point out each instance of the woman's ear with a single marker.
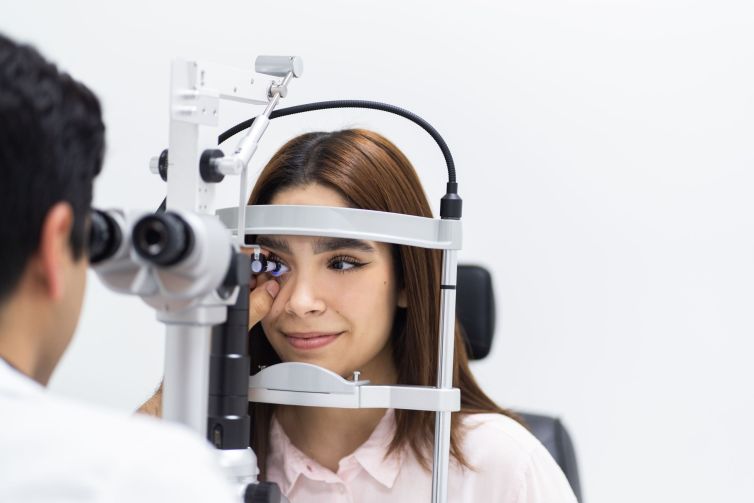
(402, 298)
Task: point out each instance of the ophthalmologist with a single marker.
(52, 449)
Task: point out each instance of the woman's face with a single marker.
(338, 299)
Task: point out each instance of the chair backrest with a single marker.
(475, 309)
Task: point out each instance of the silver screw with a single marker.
(356, 374)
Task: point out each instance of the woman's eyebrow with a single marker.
(273, 243)
(331, 244)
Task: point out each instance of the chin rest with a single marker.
(475, 310)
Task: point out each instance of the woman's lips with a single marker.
(312, 340)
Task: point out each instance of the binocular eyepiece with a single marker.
(163, 238)
(167, 240)
(105, 237)
(167, 258)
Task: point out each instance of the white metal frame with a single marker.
(196, 91)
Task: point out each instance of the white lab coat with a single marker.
(53, 449)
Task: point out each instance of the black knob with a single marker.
(104, 237)
(207, 169)
(162, 165)
(263, 492)
(163, 238)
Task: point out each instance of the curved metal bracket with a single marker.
(305, 384)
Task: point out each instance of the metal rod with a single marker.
(441, 458)
(246, 148)
(186, 385)
(240, 234)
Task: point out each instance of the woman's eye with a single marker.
(341, 265)
(344, 264)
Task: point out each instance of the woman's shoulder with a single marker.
(491, 432)
(505, 454)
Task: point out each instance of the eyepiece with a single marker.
(105, 237)
(163, 239)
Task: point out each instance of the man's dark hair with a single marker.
(52, 141)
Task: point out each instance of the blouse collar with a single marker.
(369, 456)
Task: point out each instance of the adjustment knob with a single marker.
(263, 492)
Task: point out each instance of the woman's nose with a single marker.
(303, 299)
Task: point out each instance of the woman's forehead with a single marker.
(313, 194)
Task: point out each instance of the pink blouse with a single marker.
(509, 466)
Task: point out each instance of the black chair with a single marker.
(475, 309)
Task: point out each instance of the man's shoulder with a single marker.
(115, 428)
(105, 453)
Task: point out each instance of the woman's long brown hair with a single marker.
(372, 173)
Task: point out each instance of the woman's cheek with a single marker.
(267, 328)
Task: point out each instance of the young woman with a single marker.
(350, 305)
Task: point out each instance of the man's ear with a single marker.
(402, 302)
(54, 250)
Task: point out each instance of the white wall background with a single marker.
(604, 150)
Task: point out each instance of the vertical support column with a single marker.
(192, 130)
(186, 385)
(441, 458)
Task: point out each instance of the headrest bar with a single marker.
(325, 221)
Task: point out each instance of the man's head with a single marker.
(51, 148)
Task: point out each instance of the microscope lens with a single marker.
(279, 270)
(259, 265)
